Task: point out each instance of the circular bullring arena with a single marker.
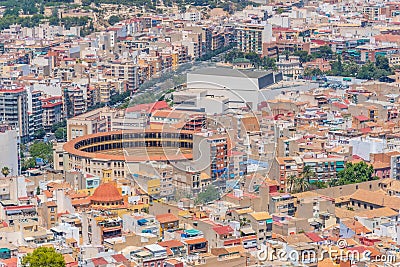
(94, 152)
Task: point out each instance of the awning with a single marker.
(142, 221)
(13, 212)
(247, 231)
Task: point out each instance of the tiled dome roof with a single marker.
(106, 192)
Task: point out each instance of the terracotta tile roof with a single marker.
(195, 241)
(356, 226)
(361, 118)
(327, 262)
(380, 165)
(251, 124)
(59, 185)
(119, 258)
(106, 192)
(68, 258)
(171, 244)
(73, 195)
(340, 105)
(378, 198)
(223, 230)
(149, 108)
(219, 251)
(260, 216)
(48, 194)
(342, 213)
(51, 204)
(314, 237)
(80, 202)
(173, 114)
(297, 238)
(99, 261)
(377, 213)
(12, 262)
(167, 217)
(387, 38)
(169, 252)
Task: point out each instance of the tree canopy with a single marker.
(255, 59)
(42, 150)
(355, 173)
(368, 71)
(113, 19)
(43, 256)
(5, 171)
(61, 133)
(210, 194)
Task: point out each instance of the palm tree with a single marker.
(5, 171)
(291, 181)
(307, 173)
(302, 184)
(333, 182)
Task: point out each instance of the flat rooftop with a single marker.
(254, 74)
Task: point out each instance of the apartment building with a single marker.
(125, 71)
(37, 112)
(105, 119)
(290, 67)
(261, 223)
(14, 109)
(9, 145)
(250, 38)
(51, 111)
(283, 167)
(74, 102)
(214, 153)
(325, 167)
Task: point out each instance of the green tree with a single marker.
(291, 182)
(382, 62)
(355, 173)
(39, 134)
(307, 173)
(114, 19)
(302, 184)
(61, 133)
(5, 171)
(57, 125)
(43, 256)
(303, 55)
(310, 72)
(269, 63)
(324, 52)
(42, 150)
(279, 10)
(210, 194)
(230, 56)
(28, 163)
(337, 67)
(254, 59)
(318, 185)
(350, 69)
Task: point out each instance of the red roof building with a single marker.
(149, 108)
(107, 194)
(223, 230)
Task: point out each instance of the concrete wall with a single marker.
(349, 189)
(9, 142)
